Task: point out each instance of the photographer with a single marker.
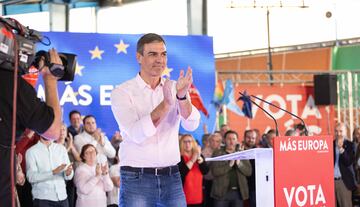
(31, 112)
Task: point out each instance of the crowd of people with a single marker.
(81, 168)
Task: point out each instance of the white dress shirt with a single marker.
(41, 160)
(85, 138)
(145, 145)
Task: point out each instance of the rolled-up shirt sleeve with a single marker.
(192, 122)
(137, 128)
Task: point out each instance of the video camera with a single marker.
(18, 39)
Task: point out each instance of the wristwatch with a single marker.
(180, 99)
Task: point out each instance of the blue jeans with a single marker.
(148, 190)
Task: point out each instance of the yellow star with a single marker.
(96, 53)
(121, 47)
(167, 72)
(78, 69)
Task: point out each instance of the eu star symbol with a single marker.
(166, 72)
(121, 47)
(96, 53)
(78, 69)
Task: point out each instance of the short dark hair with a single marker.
(147, 38)
(86, 117)
(73, 112)
(231, 132)
(83, 149)
(247, 131)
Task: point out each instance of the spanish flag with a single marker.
(196, 100)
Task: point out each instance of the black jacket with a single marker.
(346, 160)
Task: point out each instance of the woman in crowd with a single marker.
(192, 168)
(92, 180)
(230, 186)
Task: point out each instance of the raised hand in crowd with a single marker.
(70, 142)
(105, 168)
(117, 136)
(195, 154)
(69, 169)
(99, 136)
(59, 169)
(98, 169)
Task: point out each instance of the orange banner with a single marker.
(296, 99)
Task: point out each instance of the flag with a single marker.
(229, 100)
(196, 100)
(246, 109)
(218, 94)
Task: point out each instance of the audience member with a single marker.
(250, 143)
(116, 139)
(192, 168)
(223, 129)
(75, 127)
(66, 139)
(113, 196)
(343, 167)
(47, 168)
(27, 140)
(91, 179)
(267, 140)
(230, 184)
(205, 141)
(93, 135)
(215, 140)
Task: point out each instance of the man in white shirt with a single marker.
(47, 168)
(93, 135)
(149, 110)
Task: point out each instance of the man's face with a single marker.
(63, 131)
(250, 139)
(230, 141)
(224, 129)
(153, 61)
(75, 120)
(215, 141)
(340, 132)
(90, 125)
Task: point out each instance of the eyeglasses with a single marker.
(187, 141)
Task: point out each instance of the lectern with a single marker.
(298, 171)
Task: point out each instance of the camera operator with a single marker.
(31, 112)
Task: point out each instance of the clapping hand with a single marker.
(69, 169)
(105, 168)
(98, 170)
(168, 98)
(59, 169)
(184, 82)
(99, 136)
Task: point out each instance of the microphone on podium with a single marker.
(246, 97)
(271, 104)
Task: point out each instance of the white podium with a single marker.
(264, 173)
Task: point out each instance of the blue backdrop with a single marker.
(106, 60)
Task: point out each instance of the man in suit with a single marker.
(343, 171)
